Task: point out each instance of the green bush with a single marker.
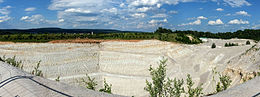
(224, 83)
(91, 83)
(162, 87)
(37, 71)
(107, 88)
(12, 61)
(248, 42)
(231, 44)
(213, 45)
(57, 79)
(193, 92)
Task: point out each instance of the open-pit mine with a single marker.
(125, 64)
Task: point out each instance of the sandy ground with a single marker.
(125, 64)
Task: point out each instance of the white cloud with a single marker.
(4, 14)
(139, 15)
(237, 3)
(198, 18)
(197, 22)
(34, 19)
(4, 18)
(61, 20)
(124, 13)
(159, 16)
(173, 12)
(111, 10)
(122, 5)
(77, 10)
(244, 13)
(24, 18)
(219, 9)
(144, 2)
(30, 9)
(158, 21)
(5, 10)
(202, 18)
(217, 22)
(144, 9)
(256, 26)
(236, 21)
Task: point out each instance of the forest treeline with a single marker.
(242, 34)
(46, 37)
(163, 34)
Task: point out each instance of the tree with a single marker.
(176, 90)
(193, 92)
(248, 42)
(156, 88)
(162, 87)
(224, 83)
(226, 45)
(213, 45)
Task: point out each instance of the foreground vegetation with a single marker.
(166, 87)
(159, 87)
(91, 84)
(18, 64)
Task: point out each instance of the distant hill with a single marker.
(60, 30)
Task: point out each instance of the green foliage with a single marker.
(248, 42)
(91, 83)
(57, 79)
(231, 44)
(155, 88)
(12, 61)
(162, 34)
(107, 88)
(176, 90)
(37, 71)
(245, 34)
(162, 87)
(163, 30)
(193, 92)
(224, 83)
(213, 45)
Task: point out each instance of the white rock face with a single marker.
(125, 64)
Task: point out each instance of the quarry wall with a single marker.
(125, 64)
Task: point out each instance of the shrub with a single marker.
(155, 88)
(91, 83)
(213, 45)
(177, 88)
(193, 92)
(160, 87)
(57, 79)
(107, 88)
(248, 42)
(12, 61)
(224, 83)
(231, 44)
(37, 71)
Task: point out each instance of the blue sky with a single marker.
(139, 15)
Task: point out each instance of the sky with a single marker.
(131, 15)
